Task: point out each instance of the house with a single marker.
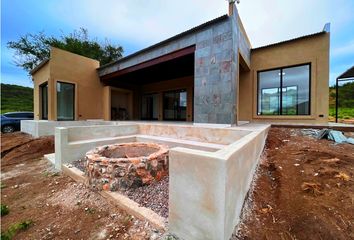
(207, 74)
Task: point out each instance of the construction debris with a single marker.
(329, 134)
(334, 135)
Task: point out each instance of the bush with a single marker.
(14, 228)
(4, 210)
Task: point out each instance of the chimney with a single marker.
(231, 6)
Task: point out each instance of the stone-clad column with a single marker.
(215, 72)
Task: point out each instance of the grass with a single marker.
(15, 228)
(343, 113)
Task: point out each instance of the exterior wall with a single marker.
(106, 98)
(219, 201)
(314, 50)
(38, 128)
(81, 71)
(42, 76)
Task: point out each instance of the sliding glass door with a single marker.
(65, 101)
(175, 105)
(44, 100)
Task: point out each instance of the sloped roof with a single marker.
(292, 39)
(194, 29)
(39, 66)
(347, 74)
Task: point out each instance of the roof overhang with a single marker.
(39, 66)
(347, 74)
(164, 58)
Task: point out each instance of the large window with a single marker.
(44, 100)
(284, 91)
(65, 101)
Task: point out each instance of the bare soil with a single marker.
(58, 207)
(303, 190)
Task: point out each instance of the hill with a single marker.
(16, 98)
(345, 103)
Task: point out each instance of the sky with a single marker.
(136, 24)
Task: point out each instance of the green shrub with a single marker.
(15, 228)
(4, 210)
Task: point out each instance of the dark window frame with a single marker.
(74, 98)
(281, 87)
(41, 87)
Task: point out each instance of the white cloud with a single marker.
(145, 22)
(139, 22)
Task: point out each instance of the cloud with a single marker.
(136, 24)
(139, 22)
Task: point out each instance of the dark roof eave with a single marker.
(219, 19)
(347, 74)
(39, 66)
(290, 40)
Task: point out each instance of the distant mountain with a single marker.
(16, 98)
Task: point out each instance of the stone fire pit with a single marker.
(126, 165)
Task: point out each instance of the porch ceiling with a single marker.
(170, 66)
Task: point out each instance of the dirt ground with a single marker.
(303, 190)
(58, 207)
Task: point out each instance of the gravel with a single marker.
(80, 164)
(153, 196)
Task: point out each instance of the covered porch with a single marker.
(160, 89)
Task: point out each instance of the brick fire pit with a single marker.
(126, 165)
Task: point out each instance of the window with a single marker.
(284, 91)
(65, 101)
(44, 100)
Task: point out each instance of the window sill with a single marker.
(283, 117)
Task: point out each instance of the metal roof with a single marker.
(347, 74)
(290, 40)
(201, 26)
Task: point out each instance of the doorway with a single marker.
(175, 105)
(44, 100)
(150, 107)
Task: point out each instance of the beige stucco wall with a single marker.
(314, 50)
(40, 77)
(67, 67)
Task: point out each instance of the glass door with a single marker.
(175, 105)
(65, 101)
(150, 107)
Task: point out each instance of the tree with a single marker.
(31, 49)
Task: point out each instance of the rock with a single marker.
(154, 236)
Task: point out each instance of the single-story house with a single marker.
(207, 74)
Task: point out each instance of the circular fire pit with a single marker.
(126, 165)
